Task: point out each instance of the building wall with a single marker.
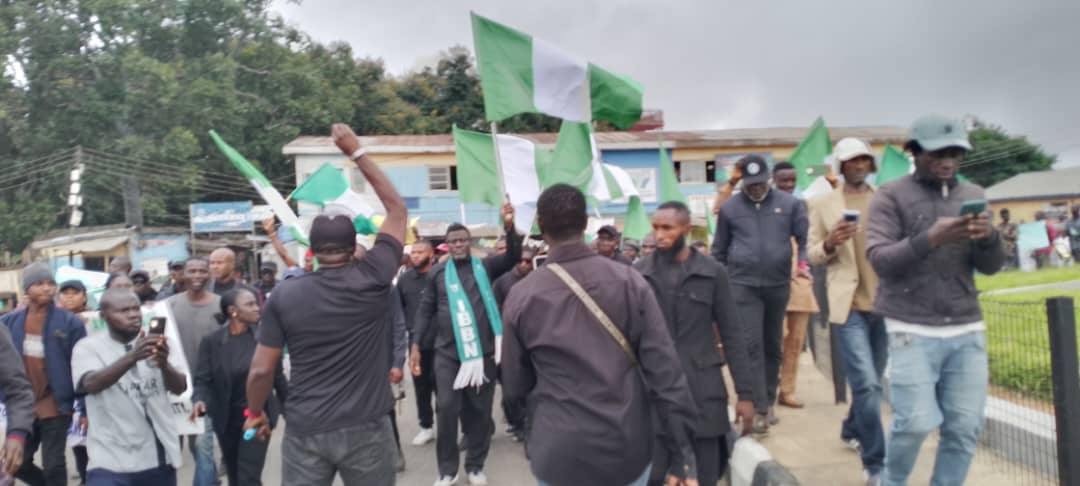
(409, 173)
(1025, 210)
(152, 252)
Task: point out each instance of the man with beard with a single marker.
(753, 239)
(459, 309)
(514, 410)
(195, 312)
(837, 239)
(607, 244)
(695, 296)
(411, 285)
(125, 375)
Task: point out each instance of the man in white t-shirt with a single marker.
(126, 376)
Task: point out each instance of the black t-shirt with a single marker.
(238, 351)
(334, 322)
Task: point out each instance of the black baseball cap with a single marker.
(331, 233)
(73, 284)
(754, 169)
(176, 264)
(609, 230)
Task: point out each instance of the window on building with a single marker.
(692, 172)
(95, 263)
(442, 178)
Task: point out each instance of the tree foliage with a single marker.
(146, 79)
(997, 156)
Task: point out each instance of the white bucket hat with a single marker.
(847, 149)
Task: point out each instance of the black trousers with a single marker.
(762, 312)
(244, 459)
(513, 410)
(710, 454)
(82, 459)
(473, 407)
(51, 436)
(424, 385)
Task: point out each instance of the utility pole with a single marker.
(74, 201)
(133, 211)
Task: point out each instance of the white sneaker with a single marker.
(425, 436)
(446, 481)
(477, 479)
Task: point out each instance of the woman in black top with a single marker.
(220, 386)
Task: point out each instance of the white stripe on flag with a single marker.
(598, 184)
(625, 182)
(560, 83)
(518, 158)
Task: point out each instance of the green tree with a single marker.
(997, 156)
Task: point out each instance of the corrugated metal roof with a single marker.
(1046, 183)
(740, 137)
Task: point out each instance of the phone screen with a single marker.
(157, 325)
(539, 260)
(973, 207)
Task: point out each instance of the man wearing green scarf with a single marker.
(458, 308)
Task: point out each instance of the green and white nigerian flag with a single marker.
(478, 174)
(575, 160)
(523, 74)
(669, 181)
(637, 223)
(265, 189)
(328, 188)
(894, 165)
(811, 152)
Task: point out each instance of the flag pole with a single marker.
(498, 162)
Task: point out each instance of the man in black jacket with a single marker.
(694, 294)
(437, 316)
(411, 287)
(753, 239)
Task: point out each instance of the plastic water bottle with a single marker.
(248, 435)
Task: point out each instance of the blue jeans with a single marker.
(863, 348)
(202, 449)
(935, 382)
(641, 481)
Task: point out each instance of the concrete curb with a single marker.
(752, 465)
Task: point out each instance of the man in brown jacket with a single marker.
(592, 398)
(837, 239)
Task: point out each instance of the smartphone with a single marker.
(974, 207)
(851, 215)
(157, 326)
(539, 260)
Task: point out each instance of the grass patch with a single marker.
(1018, 342)
(1016, 278)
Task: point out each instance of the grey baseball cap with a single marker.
(935, 132)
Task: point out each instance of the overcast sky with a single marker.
(722, 64)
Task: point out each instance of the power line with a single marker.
(163, 166)
(148, 175)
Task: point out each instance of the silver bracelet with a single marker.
(357, 154)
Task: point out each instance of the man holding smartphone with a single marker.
(837, 239)
(926, 249)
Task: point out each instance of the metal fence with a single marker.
(1020, 432)
(1032, 432)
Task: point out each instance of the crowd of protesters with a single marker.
(609, 357)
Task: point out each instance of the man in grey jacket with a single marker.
(925, 253)
(16, 394)
(753, 239)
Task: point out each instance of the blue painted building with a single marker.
(423, 167)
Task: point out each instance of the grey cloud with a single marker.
(716, 64)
